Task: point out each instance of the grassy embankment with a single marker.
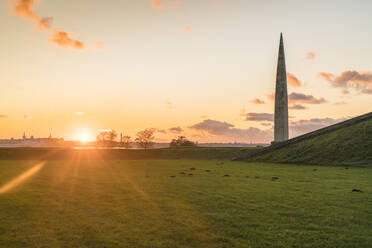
(350, 146)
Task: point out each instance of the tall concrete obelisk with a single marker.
(281, 98)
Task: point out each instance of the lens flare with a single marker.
(21, 178)
(84, 137)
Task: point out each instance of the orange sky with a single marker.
(204, 69)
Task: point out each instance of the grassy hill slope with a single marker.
(350, 145)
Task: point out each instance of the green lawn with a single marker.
(129, 203)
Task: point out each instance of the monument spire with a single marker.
(281, 98)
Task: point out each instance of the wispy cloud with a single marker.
(63, 39)
(360, 81)
(310, 55)
(293, 80)
(27, 117)
(297, 107)
(164, 4)
(79, 113)
(326, 76)
(104, 130)
(3, 116)
(266, 124)
(271, 96)
(257, 101)
(228, 132)
(99, 45)
(156, 4)
(45, 24)
(259, 117)
(294, 98)
(185, 29)
(340, 103)
(168, 104)
(175, 130)
(24, 9)
(160, 130)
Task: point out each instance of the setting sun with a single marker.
(84, 137)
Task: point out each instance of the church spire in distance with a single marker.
(281, 98)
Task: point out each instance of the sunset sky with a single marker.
(200, 68)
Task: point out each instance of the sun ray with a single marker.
(21, 178)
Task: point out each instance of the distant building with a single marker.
(32, 142)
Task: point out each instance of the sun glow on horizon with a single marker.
(84, 136)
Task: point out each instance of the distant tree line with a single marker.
(144, 139)
(182, 141)
(107, 138)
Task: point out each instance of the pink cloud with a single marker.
(63, 39)
(23, 8)
(293, 80)
(310, 55)
(186, 29)
(226, 132)
(294, 98)
(156, 4)
(257, 101)
(99, 45)
(163, 4)
(360, 81)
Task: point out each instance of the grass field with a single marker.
(26, 153)
(151, 203)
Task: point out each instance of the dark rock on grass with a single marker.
(274, 178)
(357, 190)
(172, 176)
(226, 175)
(147, 176)
(346, 168)
(257, 177)
(246, 176)
(207, 171)
(191, 174)
(192, 169)
(315, 169)
(183, 173)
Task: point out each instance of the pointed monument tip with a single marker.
(281, 39)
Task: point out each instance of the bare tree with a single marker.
(126, 141)
(145, 138)
(107, 138)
